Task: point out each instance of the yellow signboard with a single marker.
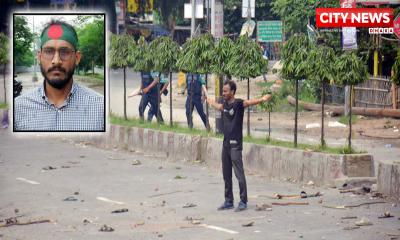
(133, 6)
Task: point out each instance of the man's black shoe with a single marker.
(226, 206)
(242, 206)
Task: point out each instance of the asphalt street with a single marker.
(39, 174)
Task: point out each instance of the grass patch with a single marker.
(133, 122)
(300, 146)
(94, 79)
(3, 105)
(345, 119)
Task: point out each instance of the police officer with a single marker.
(195, 86)
(149, 94)
(161, 88)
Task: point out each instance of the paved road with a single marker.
(155, 198)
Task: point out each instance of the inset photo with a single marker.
(59, 72)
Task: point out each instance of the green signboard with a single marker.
(269, 31)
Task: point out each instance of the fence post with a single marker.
(394, 91)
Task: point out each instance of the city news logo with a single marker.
(378, 20)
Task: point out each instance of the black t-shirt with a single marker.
(232, 117)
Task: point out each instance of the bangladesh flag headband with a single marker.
(59, 32)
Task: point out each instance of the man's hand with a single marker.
(145, 90)
(266, 98)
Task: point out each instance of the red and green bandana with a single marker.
(59, 32)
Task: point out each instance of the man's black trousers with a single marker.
(232, 157)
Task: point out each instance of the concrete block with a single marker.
(354, 182)
(389, 180)
(358, 165)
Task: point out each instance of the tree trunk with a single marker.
(207, 112)
(191, 102)
(296, 111)
(248, 109)
(158, 99)
(350, 124)
(93, 67)
(269, 125)
(125, 117)
(170, 99)
(323, 144)
(5, 87)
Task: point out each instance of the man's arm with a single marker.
(214, 104)
(251, 102)
(152, 84)
(164, 87)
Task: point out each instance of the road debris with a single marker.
(106, 228)
(358, 191)
(302, 194)
(189, 205)
(386, 215)
(15, 222)
(140, 223)
(116, 158)
(70, 199)
(163, 194)
(122, 210)
(136, 162)
(363, 222)
(352, 206)
(289, 203)
(351, 227)
(109, 201)
(249, 224)
(263, 207)
(349, 217)
(48, 168)
(27, 181)
(179, 177)
(86, 221)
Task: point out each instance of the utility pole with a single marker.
(193, 23)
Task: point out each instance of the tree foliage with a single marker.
(321, 65)
(396, 70)
(246, 59)
(295, 57)
(222, 54)
(197, 55)
(164, 52)
(142, 59)
(23, 38)
(122, 51)
(351, 70)
(3, 49)
(91, 43)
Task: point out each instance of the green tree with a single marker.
(122, 52)
(143, 59)
(222, 55)
(91, 44)
(269, 106)
(351, 70)
(4, 59)
(295, 66)
(23, 38)
(247, 62)
(396, 70)
(165, 53)
(321, 63)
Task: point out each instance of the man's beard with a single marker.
(58, 83)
